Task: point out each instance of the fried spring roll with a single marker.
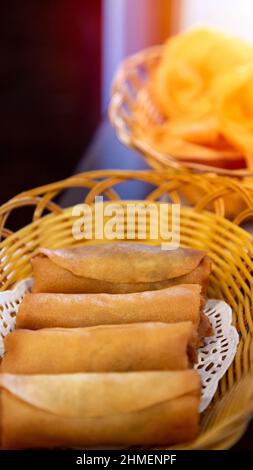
(118, 268)
(114, 348)
(175, 304)
(99, 409)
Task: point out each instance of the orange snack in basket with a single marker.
(235, 108)
(196, 87)
(220, 154)
(183, 81)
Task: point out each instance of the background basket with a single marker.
(132, 109)
(132, 112)
(229, 246)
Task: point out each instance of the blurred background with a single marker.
(58, 58)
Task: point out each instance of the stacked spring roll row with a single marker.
(104, 349)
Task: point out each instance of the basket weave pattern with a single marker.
(229, 246)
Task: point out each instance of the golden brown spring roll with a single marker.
(118, 268)
(99, 409)
(174, 304)
(114, 348)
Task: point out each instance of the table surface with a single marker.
(106, 152)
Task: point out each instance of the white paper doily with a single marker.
(214, 358)
(218, 352)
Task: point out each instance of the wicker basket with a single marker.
(229, 246)
(132, 112)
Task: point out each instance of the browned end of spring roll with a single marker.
(87, 410)
(118, 268)
(174, 304)
(114, 348)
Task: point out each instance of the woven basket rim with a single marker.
(185, 211)
(212, 189)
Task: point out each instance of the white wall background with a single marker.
(233, 16)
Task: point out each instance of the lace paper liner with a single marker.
(214, 358)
